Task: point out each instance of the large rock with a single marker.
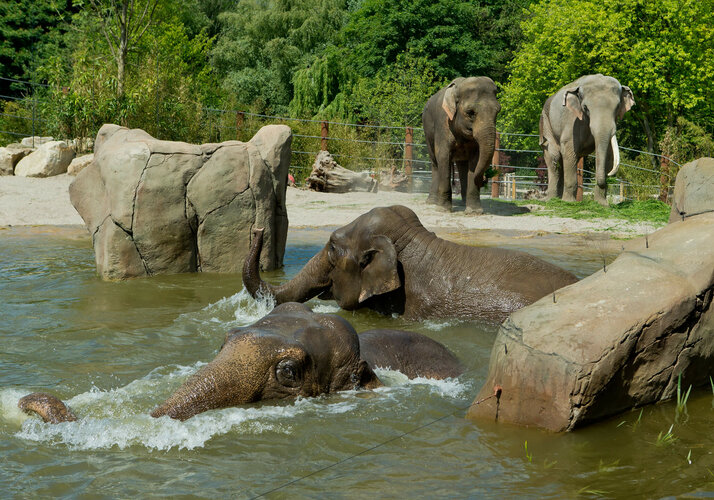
(35, 141)
(615, 340)
(51, 158)
(79, 164)
(9, 157)
(169, 207)
(693, 189)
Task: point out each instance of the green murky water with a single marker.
(114, 350)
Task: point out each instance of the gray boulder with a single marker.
(51, 158)
(9, 157)
(157, 207)
(613, 341)
(693, 189)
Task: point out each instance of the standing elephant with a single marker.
(289, 352)
(460, 126)
(577, 120)
(387, 261)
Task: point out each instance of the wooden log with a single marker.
(327, 176)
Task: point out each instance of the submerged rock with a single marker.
(618, 339)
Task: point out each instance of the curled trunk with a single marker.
(310, 281)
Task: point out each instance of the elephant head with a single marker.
(598, 101)
(290, 352)
(356, 264)
(471, 107)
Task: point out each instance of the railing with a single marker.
(382, 148)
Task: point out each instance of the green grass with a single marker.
(634, 211)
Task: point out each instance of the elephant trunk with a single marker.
(309, 282)
(212, 387)
(602, 147)
(486, 140)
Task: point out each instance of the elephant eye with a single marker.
(287, 372)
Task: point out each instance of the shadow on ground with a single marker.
(493, 207)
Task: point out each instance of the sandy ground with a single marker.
(31, 201)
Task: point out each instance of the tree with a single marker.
(663, 50)
(263, 42)
(123, 23)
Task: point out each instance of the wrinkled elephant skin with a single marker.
(387, 261)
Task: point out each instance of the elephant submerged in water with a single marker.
(289, 352)
(387, 261)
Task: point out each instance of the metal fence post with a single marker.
(664, 179)
(496, 161)
(580, 167)
(408, 156)
(324, 134)
(239, 124)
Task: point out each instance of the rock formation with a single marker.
(693, 189)
(618, 339)
(157, 207)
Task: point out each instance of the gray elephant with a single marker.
(576, 121)
(289, 352)
(387, 261)
(460, 126)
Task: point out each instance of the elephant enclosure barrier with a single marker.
(517, 171)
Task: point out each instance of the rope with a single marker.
(497, 390)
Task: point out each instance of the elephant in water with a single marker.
(577, 120)
(387, 261)
(460, 126)
(289, 352)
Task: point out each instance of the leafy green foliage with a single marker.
(263, 42)
(663, 50)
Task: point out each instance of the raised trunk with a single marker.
(310, 281)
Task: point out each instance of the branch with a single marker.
(148, 22)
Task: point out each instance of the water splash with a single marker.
(326, 308)
(240, 309)
(120, 417)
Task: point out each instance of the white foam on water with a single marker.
(239, 309)
(437, 326)
(449, 387)
(120, 417)
(326, 308)
(9, 412)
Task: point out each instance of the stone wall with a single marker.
(157, 207)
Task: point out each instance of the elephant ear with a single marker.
(449, 102)
(627, 101)
(379, 268)
(571, 100)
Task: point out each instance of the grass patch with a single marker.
(633, 211)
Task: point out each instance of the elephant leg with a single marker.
(434, 186)
(463, 168)
(555, 173)
(473, 191)
(600, 189)
(443, 195)
(570, 176)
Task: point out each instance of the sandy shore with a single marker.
(31, 201)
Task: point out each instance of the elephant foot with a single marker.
(473, 210)
(602, 201)
(446, 208)
(431, 200)
(569, 197)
